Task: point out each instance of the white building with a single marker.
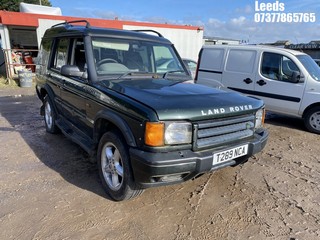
(25, 31)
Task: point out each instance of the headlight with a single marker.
(178, 133)
(159, 133)
(260, 115)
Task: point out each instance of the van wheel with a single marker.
(49, 116)
(115, 169)
(312, 120)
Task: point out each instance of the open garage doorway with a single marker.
(24, 47)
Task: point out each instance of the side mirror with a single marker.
(297, 77)
(72, 71)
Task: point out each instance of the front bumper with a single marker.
(152, 169)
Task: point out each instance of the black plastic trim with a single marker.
(268, 95)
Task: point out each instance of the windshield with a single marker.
(122, 57)
(311, 66)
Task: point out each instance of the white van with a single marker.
(288, 81)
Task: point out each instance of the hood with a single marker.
(173, 100)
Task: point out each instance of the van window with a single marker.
(212, 59)
(277, 67)
(241, 61)
(311, 66)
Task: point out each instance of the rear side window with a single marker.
(241, 61)
(212, 59)
(44, 52)
(78, 56)
(61, 53)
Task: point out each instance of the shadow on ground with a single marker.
(54, 150)
(285, 121)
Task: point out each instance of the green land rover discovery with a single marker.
(126, 98)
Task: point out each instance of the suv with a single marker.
(112, 92)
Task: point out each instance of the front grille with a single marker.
(217, 132)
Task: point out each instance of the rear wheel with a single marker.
(49, 116)
(312, 120)
(114, 168)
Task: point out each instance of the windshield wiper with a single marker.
(133, 73)
(173, 71)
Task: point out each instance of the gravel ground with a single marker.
(49, 189)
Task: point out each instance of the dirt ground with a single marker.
(49, 189)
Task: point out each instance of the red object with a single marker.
(28, 60)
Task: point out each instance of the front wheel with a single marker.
(114, 168)
(312, 120)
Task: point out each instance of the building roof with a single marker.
(32, 20)
(219, 38)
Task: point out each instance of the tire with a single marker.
(115, 169)
(49, 116)
(312, 120)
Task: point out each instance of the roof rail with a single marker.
(149, 30)
(75, 21)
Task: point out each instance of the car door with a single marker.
(275, 83)
(73, 89)
(239, 72)
(53, 76)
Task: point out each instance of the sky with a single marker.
(250, 21)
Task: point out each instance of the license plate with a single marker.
(230, 154)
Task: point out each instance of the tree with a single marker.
(13, 5)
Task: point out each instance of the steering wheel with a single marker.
(106, 60)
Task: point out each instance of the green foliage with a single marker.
(13, 5)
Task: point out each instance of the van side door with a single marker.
(279, 83)
(239, 72)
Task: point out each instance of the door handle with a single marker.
(247, 80)
(261, 82)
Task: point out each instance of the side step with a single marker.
(72, 132)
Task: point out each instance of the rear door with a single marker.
(54, 79)
(73, 91)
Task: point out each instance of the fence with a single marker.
(17, 59)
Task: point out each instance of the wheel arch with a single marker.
(317, 104)
(107, 121)
(42, 92)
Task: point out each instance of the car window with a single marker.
(78, 56)
(192, 65)
(120, 56)
(61, 53)
(44, 53)
(165, 60)
(278, 67)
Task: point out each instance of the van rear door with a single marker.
(210, 66)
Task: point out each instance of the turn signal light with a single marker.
(154, 134)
